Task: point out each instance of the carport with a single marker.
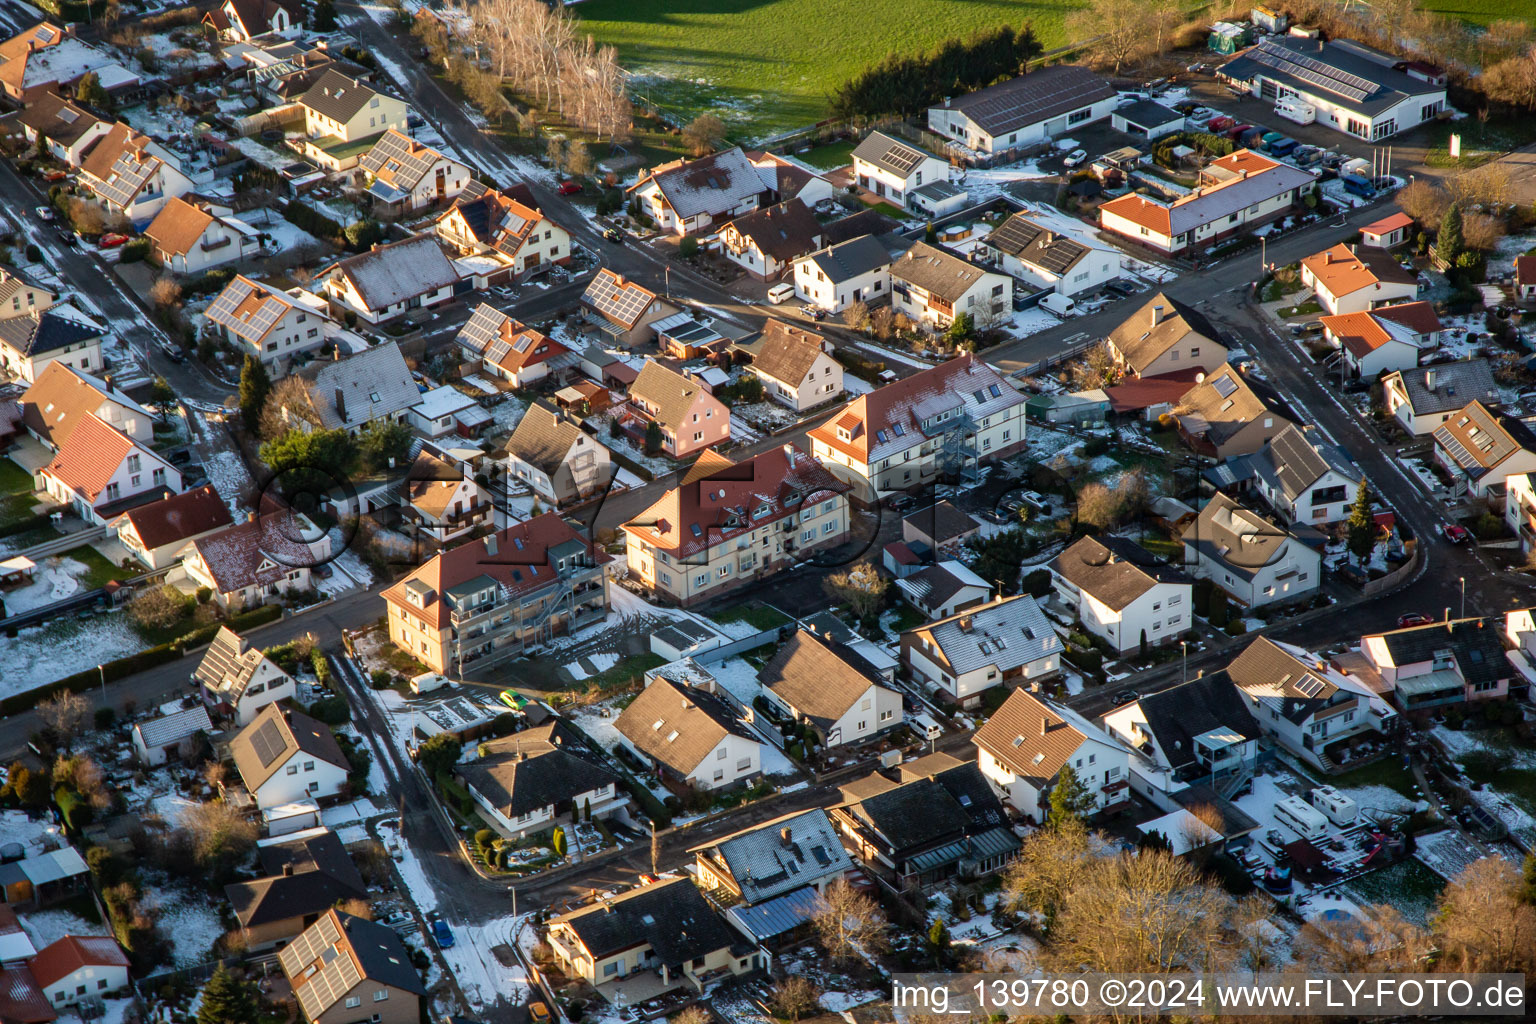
(1146, 119)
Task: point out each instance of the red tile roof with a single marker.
(1359, 333)
(72, 952)
(259, 551)
(1137, 393)
(1525, 270)
(1418, 317)
(21, 1001)
(1388, 224)
(179, 517)
(94, 452)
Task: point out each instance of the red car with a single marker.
(1413, 619)
(111, 240)
(569, 188)
(55, 175)
(1457, 534)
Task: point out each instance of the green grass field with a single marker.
(769, 65)
(1478, 12)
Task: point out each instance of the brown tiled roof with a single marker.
(1418, 316)
(179, 517)
(937, 272)
(1525, 269)
(259, 551)
(1478, 437)
(1030, 738)
(57, 118)
(58, 401)
(781, 232)
(1225, 402)
(1141, 337)
(1238, 537)
(1113, 570)
(678, 725)
(432, 483)
(21, 1001)
(672, 394)
(818, 677)
(178, 226)
(262, 748)
(788, 351)
(544, 438)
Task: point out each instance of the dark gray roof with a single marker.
(393, 273)
(766, 864)
(322, 873)
(1456, 384)
(534, 769)
(1113, 570)
(847, 260)
(950, 803)
(672, 916)
(274, 736)
(890, 154)
(317, 965)
(1176, 716)
(1297, 458)
(865, 222)
(1032, 98)
(1476, 644)
(1050, 250)
(942, 522)
(337, 96)
(1342, 73)
(1240, 539)
(818, 677)
(1146, 114)
(47, 331)
(932, 587)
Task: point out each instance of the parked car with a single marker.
(539, 1013)
(1457, 534)
(513, 699)
(814, 312)
(54, 175)
(180, 457)
(442, 934)
(614, 235)
(173, 353)
(1075, 157)
(1413, 619)
(1124, 697)
(46, 214)
(67, 236)
(568, 188)
(899, 501)
(111, 240)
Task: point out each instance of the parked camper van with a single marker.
(1341, 809)
(781, 293)
(1301, 818)
(1293, 109)
(1059, 304)
(924, 725)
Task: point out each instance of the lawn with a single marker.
(829, 157)
(99, 571)
(16, 499)
(759, 615)
(1480, 143)
(769, 65)
(1387, 771)
(1478, 12)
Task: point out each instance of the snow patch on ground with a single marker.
(44, 927)
(63, 647)
(53, 581)
(189, 920)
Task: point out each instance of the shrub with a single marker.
(330, 710)
(135, 251)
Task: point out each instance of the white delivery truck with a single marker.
(1059, 304)
(1293, 109)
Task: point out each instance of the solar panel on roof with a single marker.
(267, 742)
(522, 343)
(482, 328)
(1309, 69)
(620, 304)
(1224, 386)
(903, 158)
(1309, 686)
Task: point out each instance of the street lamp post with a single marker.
(1184, 653)
(1463, 597)
(102, 670)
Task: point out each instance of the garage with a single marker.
(1146, 119)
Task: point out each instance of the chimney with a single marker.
(288, 870)
(341, 405)
(786, 836)
(336, 354)
(966, 623)
(490, 545)
(1429, 379)
(1157, 315)
(1045, 725)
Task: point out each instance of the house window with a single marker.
(720, 754)
(701, 579)
(885, 716)
(293, 769)
(719, 774)
(610, 969)
(744, 764)
(354, 1001)
(381, 995)
(309, 766)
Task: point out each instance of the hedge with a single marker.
(308, 219)
(31, 523)
(631, 465)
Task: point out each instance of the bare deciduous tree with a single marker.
(704, 134)
(693, 1015)
(1424, 201)
(158, 607)
(165, 293)
(796, 997)
(65, 713)
(1482, 924)
(1379, 939)
(1047, 870)
(861, 586)
(856, 315)
(1096, 369)
(848, 923)
(218, 832)
(1116, 31)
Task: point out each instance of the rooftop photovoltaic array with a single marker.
(268, 742)
(496, 351)
(482, 328)
(621, 302)
(129, 173)
(903, 158)
(1309, 686)
(253, 325)
(338, 973)
(1308, 69)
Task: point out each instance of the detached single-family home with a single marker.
(1002, 643)
(1230, 413)
(158, 740)
(1165, 336)
(892, 169)
(688, 197)
(994, 124)
(269, 324)
(827, 686)
(562, 463)
(943, 589)
(343, 118)
(768, 240)
(539, 778)
(241, 21)
(934, 287)
(1348, 280)
(1387, 233)
(350, 393)
(1423, 399)
(62, 398)
(61, 127)
(1120, 592)
(1027, 743)
(268, 554)
(286, 756)
(1372, 345)
(1201, 731)
(938, 529)
(728, 524)
(507, 227)
(1044, 258)
(659, 937)
(691, 419)
(155, 533)
(786, 179)
(405, 175)
(48, 59)
(35, 336)
(302, 878)
(79, 970)
(855, 270)
(953, 416)
(623, 310)
(1520, 508)
(443, 502)
(1457, 661)
(1304, 478)
(1255, 560)
(763, 863)
(132, 175)
(1480, 448)
(100, 471)
(692, 737)
(343, 970)
(237, 680)
(796, 366)
(392, 280)
(507, 348)
(1306, 704)
(190, 238)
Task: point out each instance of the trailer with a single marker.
(1301, 818)
(1359, 166)
(1340, 809)
(1293, 109)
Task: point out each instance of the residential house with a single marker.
(855, 270)
(1002, 643)
(343, 119)
(1348, 280)
(823, 684)
(1416, 321)
(667, 929)
(686, 336)
(35, 336)
(302, 877)
(1480, 448)
(1305, 479)
(132, 175)
(787, 178)
(1457, 661)
(934, 287)
(1303, 702)
(506, 348)
(994, 124)
(158, 740)
(62, 398)
(60, 127)
(341, 962)
(1027, 743)
(100, 471)
(1525, 279)
(493, 598)
(689, 197)
(1046, 259)
(507, 227)
(1520, 508)
(1354, 88)
(48, 59)
(1372, 345)
(945, 419)
(80, 970)
(621, 309)
(285, 756)
(938, 529)
(267, 555)
(944, 589)
(20, 998)
(443, 502)
(941, 820)
(691, 419)
(1388, 233)
(445, 411)
(241, 21)
(350, 393)
(768, 240)
(694, 738)
(1237, 193)
(764, 863)
(188, 238)
(1201, 731)
(892, 169)
(1253, 559)
(404, 175)
(272, 325)
(392, 280)
(797, 367)
(237, 680)
(1423, 399)
(727, 525)
(1121, 593)
(1165, 337)
(155, 533)
(1230, 413)
(540, 778)
(562, 463)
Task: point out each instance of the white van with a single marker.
(925, 726)
(427, 682)
(781, 293)
(1059, 304)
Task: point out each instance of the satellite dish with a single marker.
(1200, 377)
